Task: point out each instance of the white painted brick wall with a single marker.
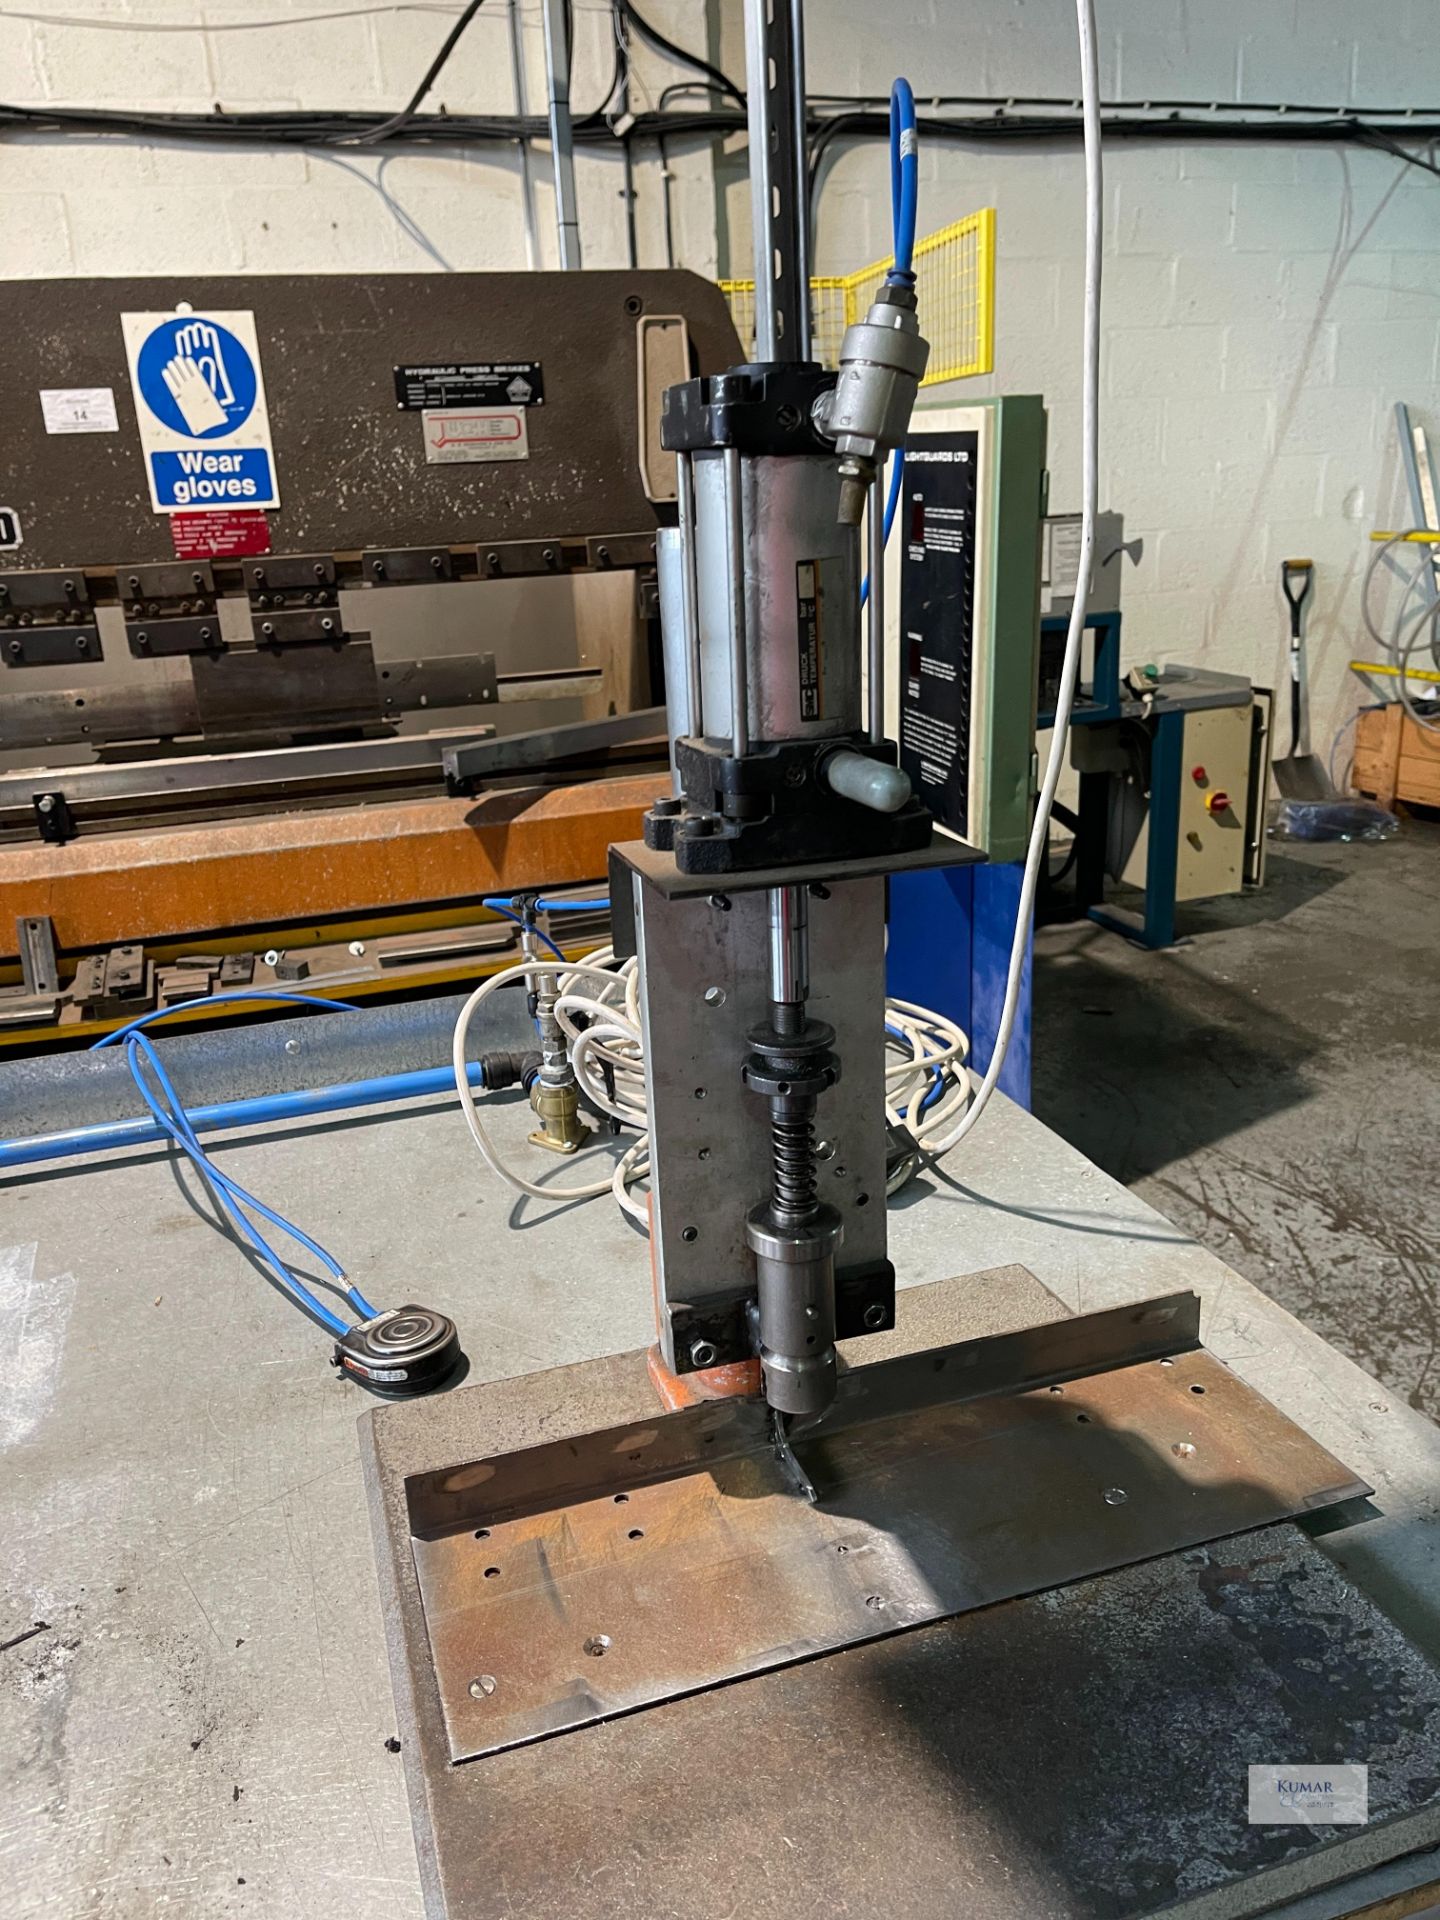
(118, 206)
(1265, 305)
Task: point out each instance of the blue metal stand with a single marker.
(950, 936)
(1155, 927)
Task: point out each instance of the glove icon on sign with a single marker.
(193, 395)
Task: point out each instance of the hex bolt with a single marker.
(327, 626)
(319, 569)
(46, 803)
(492, 560)
(377, 567)
(81, 643)
(702, 1353)
(142, 639)
(437, 564)
(875, 1315)
(17, 647)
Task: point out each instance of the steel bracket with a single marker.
(406, 566)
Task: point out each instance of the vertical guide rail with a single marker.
(690, 593)
(562, 144)
(776, 81)
(739, 662)
(875, 662)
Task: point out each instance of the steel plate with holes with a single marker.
(566, 1583)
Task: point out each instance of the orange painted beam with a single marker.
(266, 870)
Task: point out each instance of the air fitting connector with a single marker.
(558, 1106)
(882, 361)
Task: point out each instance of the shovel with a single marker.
(1299, 776)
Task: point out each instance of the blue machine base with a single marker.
(950, 935)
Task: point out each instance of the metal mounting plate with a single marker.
(569, 1582)
(660, 870)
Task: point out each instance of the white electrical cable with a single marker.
(1089, 488)
(526, 970)
(597, 1007)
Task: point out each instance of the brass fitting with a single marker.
(560, 1129)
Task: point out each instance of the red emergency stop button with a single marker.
(1217, 802)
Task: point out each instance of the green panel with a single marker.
(1017, 495)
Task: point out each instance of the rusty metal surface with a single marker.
(1076, 1755)
(569, 1583)
(295, 866)
(352, 467)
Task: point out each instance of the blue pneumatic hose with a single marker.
(904, 211)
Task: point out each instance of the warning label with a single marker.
(219, 536)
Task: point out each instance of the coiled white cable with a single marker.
(1402, 640)
(928, 1084)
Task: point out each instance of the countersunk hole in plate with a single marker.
(491, 1572)
(1197, 1389)
(699, 1093)
(1167, 1363)
(597, 1644)
(1057, 1389)
(482, 1533)
(689, 1234)
(1082, 1419)
(622, 1499)
(862, 1199)
(636, 1533)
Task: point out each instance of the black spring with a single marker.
(793, 1190)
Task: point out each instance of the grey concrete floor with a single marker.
(1270, 1084)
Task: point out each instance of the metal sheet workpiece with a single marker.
(722, 1748)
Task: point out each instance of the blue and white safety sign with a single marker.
(200, 405)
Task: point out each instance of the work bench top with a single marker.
(201, 1724)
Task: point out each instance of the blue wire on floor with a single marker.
(215, 1000)
(168, 1112)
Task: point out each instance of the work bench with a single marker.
(204, 1724)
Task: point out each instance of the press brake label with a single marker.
(812, 656)
(470, 383)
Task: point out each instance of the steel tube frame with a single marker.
(775, 79)
(562, 142)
